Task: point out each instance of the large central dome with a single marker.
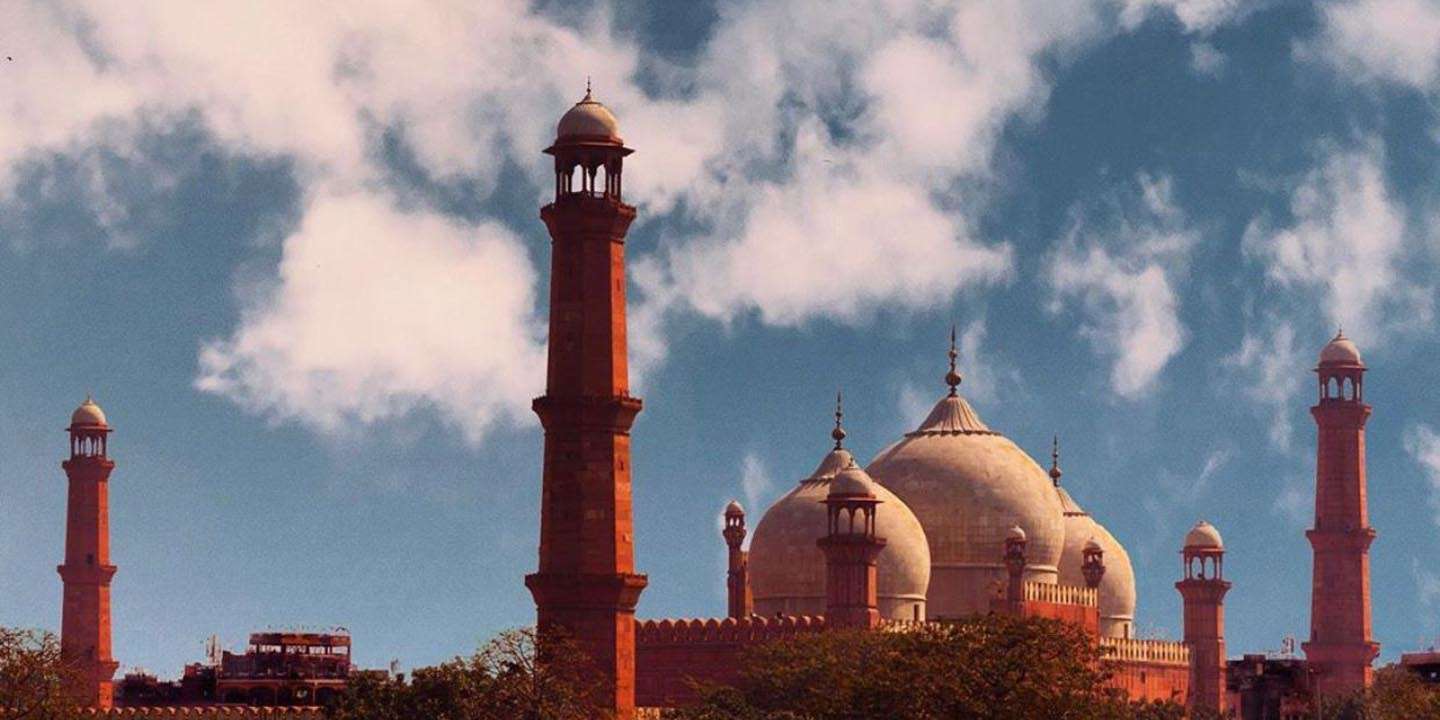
(968, 485)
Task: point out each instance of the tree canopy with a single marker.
(32, 677)
(986, 667)
(502, 681)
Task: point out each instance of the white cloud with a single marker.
(1423, 444)
(755, 482)
(837, 200)
(1120, 273)
(815, 148)
(376, 313)
(1346, 243)
(1206, 60)
(1198, 16)
(1393, 41)
(1295, 501)
(1268, 366)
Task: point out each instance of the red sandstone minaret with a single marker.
(587, 585)
(851, 550)
(1203, 590)
(1340, 649)
(86, 574)
(737, 579)
(1015, 562)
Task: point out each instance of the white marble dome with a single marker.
(1340, 351)
(787, 567)
(588, 119)
(1117, 585)
(88, 415)
(1204, 536)
(969, 485)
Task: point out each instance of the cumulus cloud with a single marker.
(832, 194)
(376, 313)
(1266, 364)
(1116, 272)
(812, 153)
(1392, 41)
(1345, 242)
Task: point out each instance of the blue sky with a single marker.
(295, 254)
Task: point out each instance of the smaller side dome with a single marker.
(734, 509)
(1016, 533)
(1340, 351)
(852, 482)
(1203, 536)
(1092, 547)
(589, 119)
(88, 415)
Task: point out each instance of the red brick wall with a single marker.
(671, 654)
(1151, 681)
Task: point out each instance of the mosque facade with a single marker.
(951, 520)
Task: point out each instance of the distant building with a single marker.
(276, 670)
(1425, 665)
(1270, 688)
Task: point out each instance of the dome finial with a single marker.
(587, 88)
(1055, 459)
(839, 432)
(952, 378)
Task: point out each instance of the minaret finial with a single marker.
(839, 432)
(952, 378)
(1055, 459)
(587, 88)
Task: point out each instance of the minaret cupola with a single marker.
(1341, 371)
(588, 138)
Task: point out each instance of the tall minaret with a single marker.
(1203, 591)
(1340, 648)
(586, 584)
(86, 574)
(740, 603)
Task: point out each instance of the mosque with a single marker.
(951, 520)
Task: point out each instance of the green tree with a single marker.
(1397, 694)
(33, 677)
(987, 667)
(504, 680)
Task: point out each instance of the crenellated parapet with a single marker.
(212, 712)
(693, 631)
(672, 656)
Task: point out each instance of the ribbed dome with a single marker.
(1204, 536)
(787, 568)
(1340, 351)
(968, 485)
(1117, 585)
(88, 415)
(588, 119)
